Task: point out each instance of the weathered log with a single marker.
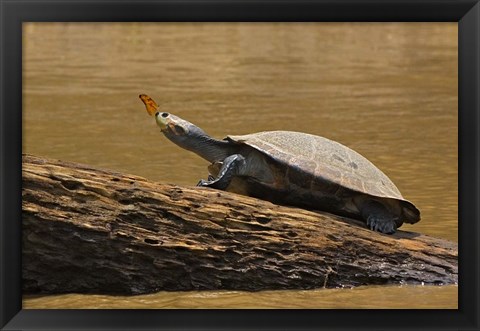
(95, 231)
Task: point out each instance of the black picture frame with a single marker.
(15, 12)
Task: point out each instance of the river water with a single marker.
(387, 90)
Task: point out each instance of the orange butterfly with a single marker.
(150, 104)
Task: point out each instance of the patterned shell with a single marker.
(323, 158)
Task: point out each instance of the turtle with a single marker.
(296, 169)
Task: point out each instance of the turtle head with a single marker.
(174, 127)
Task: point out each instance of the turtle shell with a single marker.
(323, 158)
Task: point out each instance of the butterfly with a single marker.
(150, 104)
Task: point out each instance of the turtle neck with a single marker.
(200, 143)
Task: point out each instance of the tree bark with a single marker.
(89, 230)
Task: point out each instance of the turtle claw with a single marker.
(206, 183)
(203, 183)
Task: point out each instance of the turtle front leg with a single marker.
(234, 165)
(378, 218)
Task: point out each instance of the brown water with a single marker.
(387, 90)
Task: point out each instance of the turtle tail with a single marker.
(410, 213)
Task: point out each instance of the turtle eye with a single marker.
(164, 115)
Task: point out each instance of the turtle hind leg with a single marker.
(378, 218)
(234, 165)
(382, 225)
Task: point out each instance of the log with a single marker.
(89, 230)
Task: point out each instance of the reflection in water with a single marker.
(392, 297)
(387, 90)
